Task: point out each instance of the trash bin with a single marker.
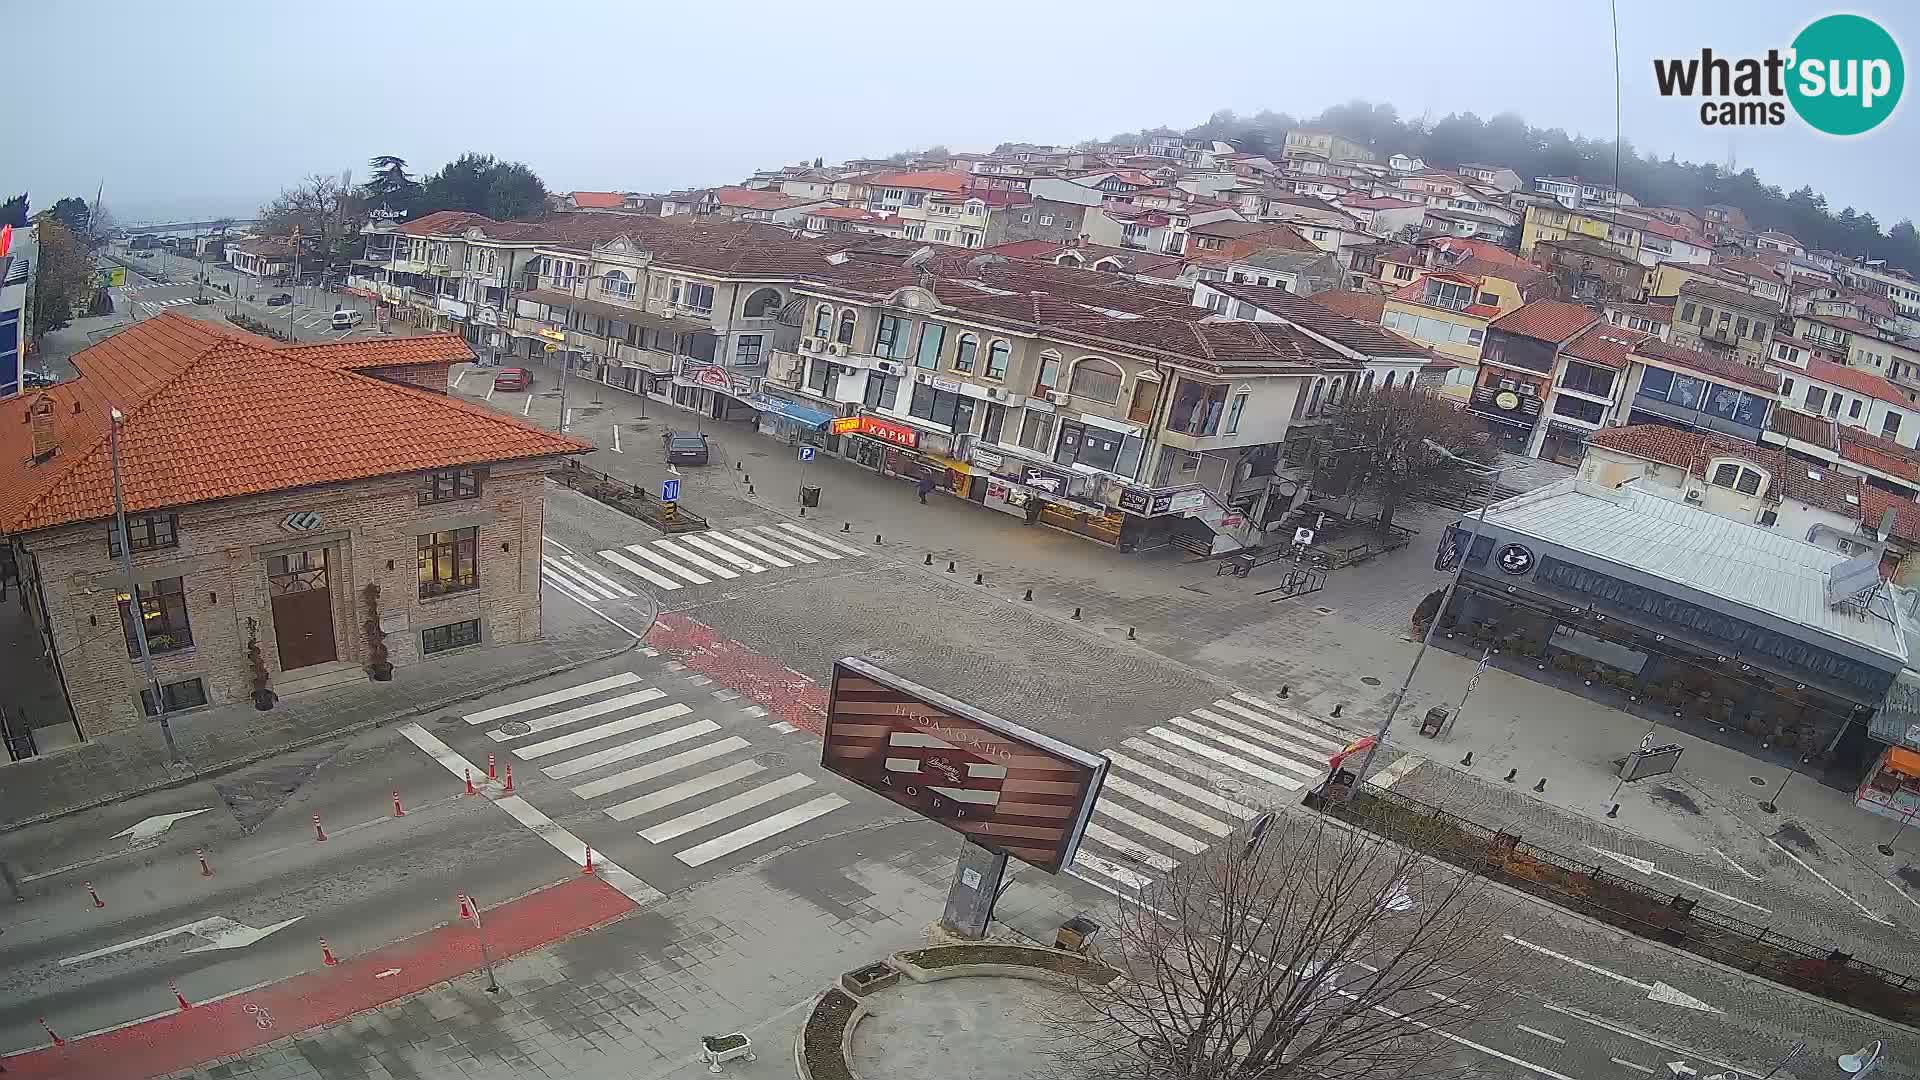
(809, 496)
(1074, 934)
(1434, 722)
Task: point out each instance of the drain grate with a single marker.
(772, 759)
(1227, 785)
(1323, 610)
(515, 727)
(1756, 781)
(446, 721)
(1370, 680)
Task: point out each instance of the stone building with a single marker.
(305, 499)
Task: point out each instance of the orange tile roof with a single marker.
(384, 352)
(1874, 504)
(599, 200)
(1546, 320)
(1865, 448)
(213, 413)
(1365, 306)
(936, 181)
(1604, 344)
(1855, 379)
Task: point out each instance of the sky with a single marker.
(201, 107)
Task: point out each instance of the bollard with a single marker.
(950, 566)
(470, 790)
(846, 526)
(929, 559)
(736, 467)
(588, 867)
(1615, 811)
(1028, 596)
(749, 489)
(876, 538)
(1468, 760)
(1542, 785)
(51, 1034)
(178, 996)
(319, 834)
(509, 786)
(748, 477)
(803, 511)
(205, 870)
(1076, 613)
(979, 579)
(1130, 636)
(397, 811)
(1510, 775)
(491, 774)
(97, 902)
(1284, 691)
(1337, 708)
(326, 954)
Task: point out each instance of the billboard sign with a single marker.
(1008, 788)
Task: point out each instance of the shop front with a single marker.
(793, 421)
(713, 391)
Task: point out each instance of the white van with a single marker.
(346, 319)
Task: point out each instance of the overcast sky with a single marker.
(192, 108)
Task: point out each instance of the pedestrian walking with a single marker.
(925, 485)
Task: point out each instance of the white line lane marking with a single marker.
(667, 564)
(765, 557)
(1542, 1034)
(1285, 783)
(1828, 884)
(1631, 1065)
(1261, 734)
(1178, 811)
(818, 539)
(726, 808)
(568, 587)
(1638, 1036)
(616, 439)
(768, 532)
(1147, 856)
(695, 558)
(774, 825)
(489, 396)
(785, 552)
(724, 553)
(1645, 866)
(584, 712)
(556, 543)
(652, 770)
(457, 379)
(526, 410)
(1656, 990)
(1296, 717)
(566, 693)
(555, 568)
(639, 571)
(1175, 784)
(1146, 826)
(1750, 875)
(581, 568)
(625, 750)
(542, 826)
(601, 731)
(686, 789)
(1115, 871)
(1249, 749)
(1294, 731)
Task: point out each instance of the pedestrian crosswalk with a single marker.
(1183, 785)
(152, 307)
(681, 781)
(673, 563)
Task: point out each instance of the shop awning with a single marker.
(813, 418)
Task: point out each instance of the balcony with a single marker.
(1505, 406)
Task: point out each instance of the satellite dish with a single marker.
(920, 258)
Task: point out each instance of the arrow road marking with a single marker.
(1645, 866)
(387, 974)
(1656, 991)
(1748, 874)
(148, 828)
(218, 931)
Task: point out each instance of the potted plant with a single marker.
(378, 665)
(263, 695)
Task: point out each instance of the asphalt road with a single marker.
(167, 282)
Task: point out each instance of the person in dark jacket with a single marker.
(925, 485)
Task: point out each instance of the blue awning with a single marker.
(813, 418)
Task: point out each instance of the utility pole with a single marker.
(486, 955)
(136, 614)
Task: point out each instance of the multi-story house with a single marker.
(1876, 276)
(1498, 176)
(1469, 224)
(1390, 359)
(1450, 296)
(1518, 365)
(1687, 388)
(1724, 322)
(1662, 241)
(1652, 320)
(1746, 275)
(1549, 222)
(1850, 398)
(1725, 222)
(1310, 143)
(1573, 192)
(1775, 240)
(1035, 218)
(1384, 215)
(1591, 271)
(1588, 378)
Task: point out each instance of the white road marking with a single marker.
(1646, 867)
(1631, 1065)
(783, 728)
(489, 395)
(569, 588)
(640, 774)
(627, 750)
(1291, 730)
(785, 552)
(1829, 884)
(686, 789)
(1180, 811)
(1750, 875)
(150, 827)
(1263, 735)
(542, 826)
(720, 552)
(1214, 754)
(694, 557)
(818, 539)
(605, 582)
(616, 439)
(1640, 1036)
(1248, 748)
(1174, 783)
(1110, 870)
(218, 931)
(569, 421)
(1146, 826)
(726, 808)
(1542, 1034)
(1656, 990)
(639, 571)
(1146, 856)
(598, 732)
(458, 379)
(556, 543)
(770, 533)
(759, 830)
(567, 693)
(554, 567)
(742, 545)
(585, 712)
(667, 564)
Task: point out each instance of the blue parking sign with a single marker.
(806, 453)
(670, 490)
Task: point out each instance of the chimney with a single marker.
(1886, 524)
(45, 437)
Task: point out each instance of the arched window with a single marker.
(618, 284)
(1300, 403)
(1109, 264)
(1388, 385)
(845, 336)
(1313, 403)
(1048, 377)
(1366, 384)
(763, 304)
(1096, 378)
(997, 354)
(822, 321)
(1068, 259)
(964, 352)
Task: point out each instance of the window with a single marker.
(617, 284)
(185, 694)
(1833, 405)
(163, 613)
(451, 636)
(822, 321)
(1740, 328)
(447, 562)
(964, 351)
(1786, 389)
(1587, 379)
(845, 336)
(1731, 474)
(1145, 393)
(746, 349)
(1233, 413)
(996, 420)
(822, 376)
(1686, 313)
(1769, 517)
(888, 340)
(1816, 399)
(997, 360)
(1097, 379)
(941, 407)
(1319, 234)
(449, 485)
(943, 236)
(698, 297)
(1578, 409)
(882, 390)
(146, 532)
(1749, 483)
(1026, 219)
(1036, 431)
(1853, 410)
(932, 337)
(1046, 219)
(1049, 375)
(1402, 272)
(1489, 299)
(763, 304)
(1890, 424)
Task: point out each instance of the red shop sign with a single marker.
(898, 434)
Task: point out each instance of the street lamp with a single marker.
(136, 614)
(1459, 567)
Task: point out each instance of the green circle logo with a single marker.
(1847, 75)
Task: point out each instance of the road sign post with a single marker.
(806, 459)
(670, 490)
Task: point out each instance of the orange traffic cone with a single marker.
(466, 911)
(470, 790)
(588, 868)
(326, 954)
(178, 996)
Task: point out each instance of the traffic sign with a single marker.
(670, 490)
(1303, 536)
(806, 453)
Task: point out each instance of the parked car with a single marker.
(346, 319)
(686, 448)
(279, 299)
(38, 378)
(513, 378)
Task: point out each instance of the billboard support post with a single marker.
(976, 885)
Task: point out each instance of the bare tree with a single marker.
(1312, 951)
(327, 212)
(1378, 446)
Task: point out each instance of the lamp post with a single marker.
(1459, 567)
(493, 985)
(1905, 820)
(136, 614)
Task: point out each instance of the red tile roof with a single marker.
(441, 349)
(1694, 451)
(1546, 320)
(1358, 335)
(1874, 504)
(443, 222)
(1802, 427)
(741, 198)
(1365, 306)
(1855, 379)
(1707, 364)
(598, 200)
(1604, 344)
(1654, 442)
(1874, 452)
(933, 181)
(1026, 249)
(213, 413)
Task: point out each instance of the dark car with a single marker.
(686, 448)
(279, 298)
(513, 378)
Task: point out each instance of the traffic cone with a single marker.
(319, 834)
(178, 996)
(97, 902)
(397, 811)
(470, 790)
(491, 774)
(51, 1034)
(588, 868)
(326, 954)
(466, 912)
(509, 784)
(205, 870)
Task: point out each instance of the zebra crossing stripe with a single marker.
(722, 553)
(818, 539)
(579, 690)
(667, 564)
(566, 587)
(641, 773)
(768, 532)
(1284, 725)
(1261, 734)
(602, 731)
(1258, 752)
(626, 750)
(687, 789)
(700, 854)
(1144, 855)
(1165, 805)
(579, 581)
(1212, 754)
(1173, 783)
(785, 552)
(723, 538)
(1297, 718)
(726, 808)
(1112, 871)
(585, 712)
(1146, 826)
(639, 571)
(705, 564)
(596, 576)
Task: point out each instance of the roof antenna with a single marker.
(917, 262)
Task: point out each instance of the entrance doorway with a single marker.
(302, 608)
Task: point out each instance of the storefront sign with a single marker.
(707, 375)
(885, 431)
(1182, 502)
(951, 386)
(1738, 636)
(987, 459)
(843, 425)
(1515, 559)
(1135, 501)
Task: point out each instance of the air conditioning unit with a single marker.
(808, 344)
(922, 377)
(1694, 495)
(996, 394)
(890, 367)
(840, 349)
(1058, 397)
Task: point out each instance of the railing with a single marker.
(669, 517)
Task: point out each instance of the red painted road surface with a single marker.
(786, 694)
(182, 1040)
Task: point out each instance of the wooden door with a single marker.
(302, 608)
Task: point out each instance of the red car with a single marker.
(513, 378)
